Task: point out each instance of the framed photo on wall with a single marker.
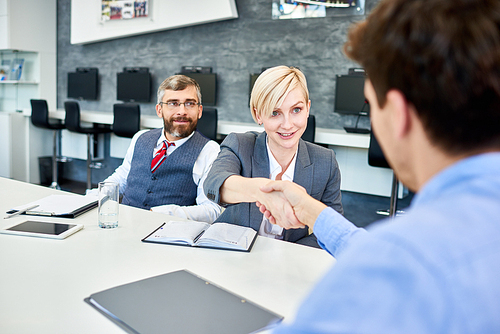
(123, 9)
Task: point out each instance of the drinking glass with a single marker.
(108, 204)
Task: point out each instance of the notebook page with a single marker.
(179, 231)
(228, 234)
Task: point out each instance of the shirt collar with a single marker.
(452, 177)
(177, 142)
(275, 168)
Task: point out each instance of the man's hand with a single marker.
(305, 208)
(282, 211)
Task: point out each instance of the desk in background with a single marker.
(44, 281)
(351, 150)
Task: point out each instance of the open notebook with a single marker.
(200, 234)
(63, 206)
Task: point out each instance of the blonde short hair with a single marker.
(271, 88)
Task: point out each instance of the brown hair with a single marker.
(175, 83)
(444, 56)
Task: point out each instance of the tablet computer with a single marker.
(43, 229)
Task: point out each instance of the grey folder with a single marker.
(180, 302)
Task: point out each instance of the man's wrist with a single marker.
(310, 212)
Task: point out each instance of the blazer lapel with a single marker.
(303, 168)
(260, 168)
(303, 176)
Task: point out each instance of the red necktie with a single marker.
(160, 156)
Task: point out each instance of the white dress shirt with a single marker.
(266, 228)
(205, 210)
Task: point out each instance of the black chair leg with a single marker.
(393, 208)
(90, 143)
(55, 184)
(394, 196)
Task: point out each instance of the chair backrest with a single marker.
(126, 119)
(376, 157)
(72, 119)
(207, 124)
(310, 132)
(40, 113)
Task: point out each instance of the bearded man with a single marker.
(164, 169)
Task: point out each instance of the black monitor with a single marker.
(82, 84)
(208, 86)
(253, 78)
(350, 96)
(133, 85)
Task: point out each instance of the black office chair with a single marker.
(72, 122)
(310, 132)
(376, 158)
(40, 118)
(207, 124)
(126, 119)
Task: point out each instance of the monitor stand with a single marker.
(356, 130)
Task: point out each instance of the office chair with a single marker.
(207, 124)
(310, 132)
(72, 122)
(126, 119)
(40, 118)
(376, 158)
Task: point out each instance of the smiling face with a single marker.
(179, 122)
(287, 122)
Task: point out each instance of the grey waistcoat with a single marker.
(172, 182)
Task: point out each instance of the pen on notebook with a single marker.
(20, 211)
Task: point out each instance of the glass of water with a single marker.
(108, 204)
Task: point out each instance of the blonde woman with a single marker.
(280, 102)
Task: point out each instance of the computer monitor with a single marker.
(253, 78)
(208, 86)
(133, 85)
(82, 84)
(350, 96)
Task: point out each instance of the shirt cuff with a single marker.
(333, 231)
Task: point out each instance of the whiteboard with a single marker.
(87, 27)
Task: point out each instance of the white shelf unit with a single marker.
(15, 95)
(27, 31)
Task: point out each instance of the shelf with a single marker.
(18, 82)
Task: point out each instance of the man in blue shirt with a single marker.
(433, 84)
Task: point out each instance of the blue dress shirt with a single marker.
(434, 270)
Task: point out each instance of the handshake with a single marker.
(288, 205)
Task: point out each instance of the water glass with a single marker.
(108, 204)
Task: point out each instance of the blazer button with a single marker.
(149, 191)
(153, 177)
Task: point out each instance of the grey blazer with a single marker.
(245, 154)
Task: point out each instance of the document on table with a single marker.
(65, 206)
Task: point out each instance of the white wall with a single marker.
(86, 25)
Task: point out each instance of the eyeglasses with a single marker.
(175, 105)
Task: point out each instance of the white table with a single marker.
(43, 282)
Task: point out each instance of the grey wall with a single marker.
(234, 49)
